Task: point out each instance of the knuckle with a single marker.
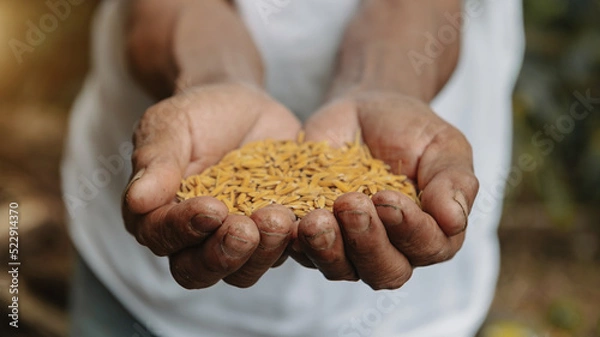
(153, 242)
(158, 249)
(442, 254)
(471, 184)
(139, 155)
(160, 116)
(409, 238)
(155, 115)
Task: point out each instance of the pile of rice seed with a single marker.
(301, 175)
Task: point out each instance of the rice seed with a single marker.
(301, 175)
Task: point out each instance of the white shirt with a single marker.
(298, 40)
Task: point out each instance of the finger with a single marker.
(274, 224)
(163, 141)
(321, 240)
(396, 140)
(276, 122)
(174, 227)
(220, 255)
(377, 262)
(447, 181)
(161, 153)
(294, 248)
(413, 232)
(335, 123)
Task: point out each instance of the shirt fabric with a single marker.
(298, 40)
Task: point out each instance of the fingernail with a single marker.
(460, 199)
(205, 224)
(355, 221)
(394, 207)
(271, 241)
(390, 215)
(234, 246)
(135, 178)
(322, 240)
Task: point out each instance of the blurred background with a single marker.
(550, 232)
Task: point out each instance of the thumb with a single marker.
(162, 151)
(336, 123)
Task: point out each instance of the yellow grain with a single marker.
(301, 175)
(241, 198)
(289, 199)
(321, 202)
(261, 204)
(229, 204)
(217, 190)
(271, 183)
(288, 189)
(246, 189)
(341, 186)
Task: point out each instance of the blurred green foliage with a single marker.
(562, 62)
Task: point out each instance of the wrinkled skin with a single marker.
(181, 136)
(378, 240)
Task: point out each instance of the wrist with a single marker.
(178, 44)
(387, 47)
(390, 69)
(224, 53)
(232, 71)
(349, 90)
(359, 95)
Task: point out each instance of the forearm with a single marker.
(180, 43)
(387, 47)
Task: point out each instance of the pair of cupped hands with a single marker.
(378, 240)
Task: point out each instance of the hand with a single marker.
(380, 240)
(181, 136)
